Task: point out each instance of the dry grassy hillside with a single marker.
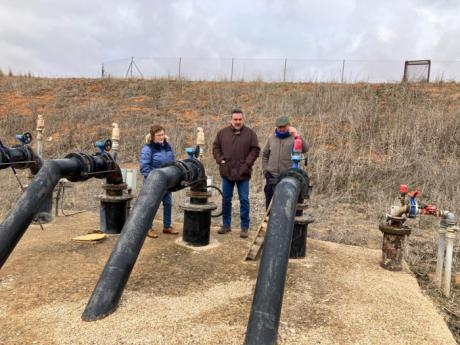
(364, 139)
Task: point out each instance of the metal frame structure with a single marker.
(408, 63)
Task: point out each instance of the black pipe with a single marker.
(299, 237)
(77, 167)
(197, 216)
(20, 157)
(107, 293)
(197, 225)
(268, 297)
(299, 241)
(24, 157)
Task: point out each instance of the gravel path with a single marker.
(337, 295)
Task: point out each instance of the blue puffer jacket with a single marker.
(154, 155)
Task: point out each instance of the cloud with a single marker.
(51, 37)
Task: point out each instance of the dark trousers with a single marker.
(269, 189)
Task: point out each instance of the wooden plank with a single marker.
(257, 243)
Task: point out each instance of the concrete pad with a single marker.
(337, 295)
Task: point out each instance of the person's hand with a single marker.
(292, 130)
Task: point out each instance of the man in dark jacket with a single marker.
(276, 155)
(235, 149)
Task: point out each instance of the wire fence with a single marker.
(274, 70)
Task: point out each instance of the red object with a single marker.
(403, 188)
(430, 210)
(297, 144)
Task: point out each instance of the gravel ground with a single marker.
(337, 295)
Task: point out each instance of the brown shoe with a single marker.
(244, 233)
(224, 229)
(170, 231)
(152, 233)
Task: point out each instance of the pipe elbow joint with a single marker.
(302, 177)
(35, 167)
(191, 170)
(21, 157)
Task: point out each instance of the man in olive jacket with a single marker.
(276, 155)
(235, 149)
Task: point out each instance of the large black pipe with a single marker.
(107, 293)
(268, 296)
(77, 167)
(24, 157)
(20, 157)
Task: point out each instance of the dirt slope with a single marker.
(337, 295)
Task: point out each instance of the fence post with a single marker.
(130, 69)
(180, 62)
(343, 71)
(137, 68)
(284, 73)
(231, 72)
(102, 71)
(131, 66)
(429, 71)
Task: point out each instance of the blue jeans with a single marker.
(243, 194)
(167, 209)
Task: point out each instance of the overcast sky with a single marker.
(73, 37)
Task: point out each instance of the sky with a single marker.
(73, 37)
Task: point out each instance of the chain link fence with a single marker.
(272, 70)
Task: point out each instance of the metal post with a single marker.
(343, 71)
(450, 236)
(180, 62)
(441, 252)
(284, 73)
(429, 71)
(131, 66)
(404, 79)
(138, 70)
(102, 71)
(115, 140)
(40, 128)
(130, 69)
(231, 72)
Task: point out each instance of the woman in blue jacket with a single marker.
(154, 154)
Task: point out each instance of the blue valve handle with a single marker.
(190, 152)
(25, 138)
(100, 145)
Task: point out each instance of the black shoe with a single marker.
(224, 229)
(244, 233)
